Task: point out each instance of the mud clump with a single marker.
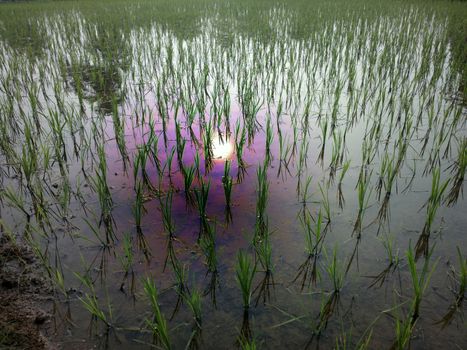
(25, 299)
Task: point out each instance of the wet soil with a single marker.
(25, 299)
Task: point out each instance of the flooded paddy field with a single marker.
(220, 174)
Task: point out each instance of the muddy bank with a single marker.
(25, 299)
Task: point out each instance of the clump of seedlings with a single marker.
(432, 205)
(261, 201)
(269, 140)
(138, 207)
(340, 194)
(331, 300)
(92, 305)
(459, 170)
(166, 209)
(100, 185)
(458, 288)
(245, 272)
(420, 281)
(201, 196)
(207, 146)
(193, 300)
(227, 183)
(240, 140)
(308, 272)
(188, 177)
(126, 261)
(157, 323)
(285, 153)
(181, 142)
(393, 263)
(263, 250)
(364, 193)
(207, 243)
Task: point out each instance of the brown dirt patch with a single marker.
(25, 298)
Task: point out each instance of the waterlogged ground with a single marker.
(344, 127)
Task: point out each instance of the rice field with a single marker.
(240, 174)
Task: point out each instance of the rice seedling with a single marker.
(345, 341)
(363, 198)
(269, 140)
(153, 145)
(305, 193)
(324, 131)
(302, 159)
(158, 323)
(325, 203)
(314, 239)
(64, 198)
(458, 288)
(119, 131)
(166, 208)
(340, 194)
(246, 344)
(91, 302)
(196, 164)
(337, 147)
(208, 245)
(181, 273)
(54, 273)
(460, 168)
(201, 196)
(188, 177)
(16, 200)
(207, 145)
(285, 153)
(335, 272)
(138, 207)
(432, 205)
(403, 332)
(261, 201)
(227, 183)
(181, 142)
(28, 161)
(240, 140)
(389, 173)
(207, 242)
(250, 105)
(59, 141)
(245, 272)
(420, 281)
(126, 260)
(246, 335)
(100, 185)
(263, 250)
(393, 263)
(168, 164)
(330, 302)
(194, 303)
(140, 163)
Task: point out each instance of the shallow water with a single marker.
(369, 79)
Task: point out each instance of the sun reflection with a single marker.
(222, 148)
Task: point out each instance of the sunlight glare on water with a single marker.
(222, 148)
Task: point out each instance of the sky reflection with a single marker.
(222, 148)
